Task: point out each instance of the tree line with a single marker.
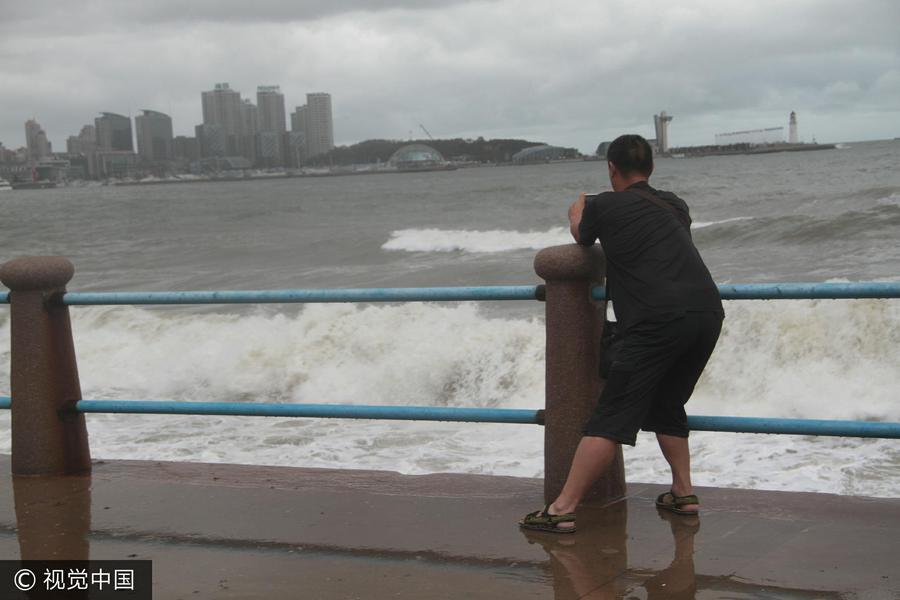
(457, 149)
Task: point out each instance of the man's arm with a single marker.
(576, 211)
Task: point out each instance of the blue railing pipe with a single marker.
(796, 291)
(434, 294)
(735, 291)
(810, 291)
(861, 429)
(330, 411)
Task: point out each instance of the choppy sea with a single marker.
(830, 215)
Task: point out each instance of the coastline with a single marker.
(677, 153)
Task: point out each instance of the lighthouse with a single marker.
(793, 138)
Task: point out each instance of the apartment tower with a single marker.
(36, 141)
(319, 125)
(222, 113)
(113, 133)
(272, 125)
(155, 141)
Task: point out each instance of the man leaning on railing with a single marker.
(670, 314)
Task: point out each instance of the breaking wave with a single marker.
(808, 359)
(491, 241)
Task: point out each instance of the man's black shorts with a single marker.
(653, 377)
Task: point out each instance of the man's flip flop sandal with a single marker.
(541, 520)
(672, 503)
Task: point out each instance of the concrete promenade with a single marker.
(233, 531)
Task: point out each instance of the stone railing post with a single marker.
(53, 517)
(48, 436)
(574, 323)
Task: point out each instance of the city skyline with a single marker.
(234, 134)
(220, 107)
(569, 75)
(255, 131)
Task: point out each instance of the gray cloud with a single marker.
(104, 14)
(572, 73)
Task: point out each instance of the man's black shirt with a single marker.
(653, 267)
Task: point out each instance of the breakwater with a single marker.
(745, 149)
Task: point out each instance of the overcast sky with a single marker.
(572, 73)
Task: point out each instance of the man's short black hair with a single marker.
(631, 154)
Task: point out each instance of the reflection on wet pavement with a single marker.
(232, 531)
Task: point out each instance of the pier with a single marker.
(243, 531)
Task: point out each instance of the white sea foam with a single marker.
(491, 241)
(456, 240)
(703, 224)
(824, 359)
(892, 200)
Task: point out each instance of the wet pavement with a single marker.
(236, 531)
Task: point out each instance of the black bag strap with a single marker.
(683, 218)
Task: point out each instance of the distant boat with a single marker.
(4, 185)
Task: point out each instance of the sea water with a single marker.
(819, 216)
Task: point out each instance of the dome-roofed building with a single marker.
(539, 154)
(417, 156)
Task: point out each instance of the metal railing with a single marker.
(520, 416)
(433, 294)
(732, 291)
(864, 429)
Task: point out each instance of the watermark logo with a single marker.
(24, 580)
(101, 579)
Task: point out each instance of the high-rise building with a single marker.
(298, 119)
(661, 123)
(73, 145)
(250, 130)
(83, 143)
(793, 137)
(36, 141)
(269, 149)
(270, 103)
(249, 117)
(297, 137)
(211, 140)
(222, 108)
(186, 148)
(6, 155)
(113, 133)
(154, 136)
(296, 148)
(112, 155)
(319, 124)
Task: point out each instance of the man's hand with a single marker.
(575, 212)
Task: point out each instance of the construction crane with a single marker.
(426, 132)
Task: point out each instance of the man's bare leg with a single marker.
(678, 455)
(592, 459)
